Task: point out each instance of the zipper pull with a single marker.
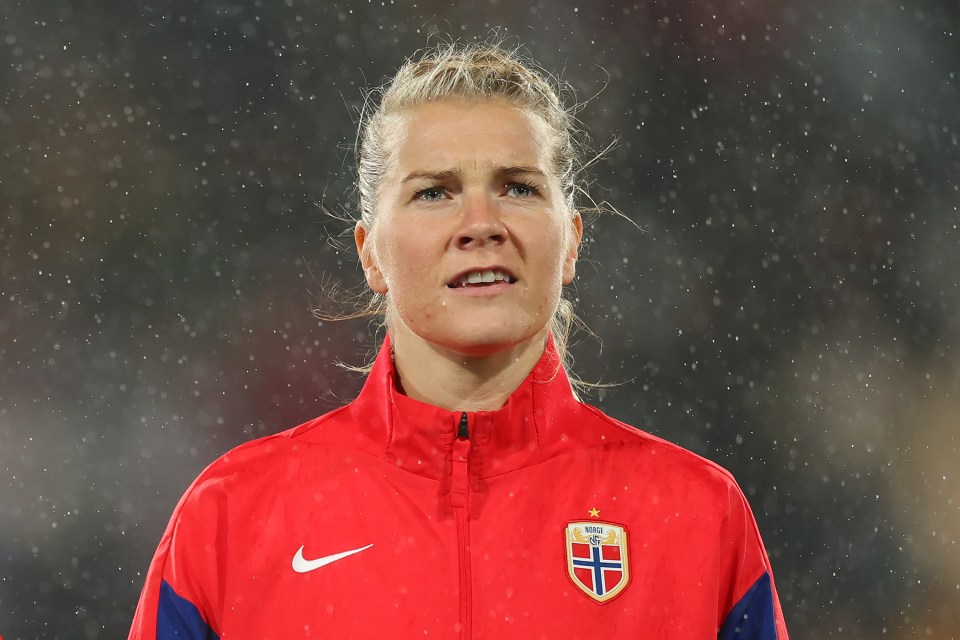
(460, 480)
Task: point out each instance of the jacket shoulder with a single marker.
(262, 456)
(670, 459)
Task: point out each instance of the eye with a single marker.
(431, 194)
(522, 190)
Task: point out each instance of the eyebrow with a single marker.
(430, 175)
(446, 175)
(517, 171)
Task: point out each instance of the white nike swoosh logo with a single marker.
(302, 565)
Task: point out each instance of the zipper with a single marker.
(459, 499)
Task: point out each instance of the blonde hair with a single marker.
(476, 71)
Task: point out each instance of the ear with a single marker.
(371, 271)
(570, 261)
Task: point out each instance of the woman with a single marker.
(466, 492)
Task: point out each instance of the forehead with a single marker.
(465, 134)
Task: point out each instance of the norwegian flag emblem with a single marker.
(597, 558)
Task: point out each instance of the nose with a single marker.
(480, 224)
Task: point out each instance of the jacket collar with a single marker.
(419, 437)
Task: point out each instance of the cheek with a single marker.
(558, 250)
(393, 257)
(404, 271)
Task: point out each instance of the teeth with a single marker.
(478, 277)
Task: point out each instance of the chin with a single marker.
(479, 341)
(477, 331)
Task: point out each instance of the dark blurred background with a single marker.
(789, 307)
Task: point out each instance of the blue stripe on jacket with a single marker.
(752, 618)
(179, 619)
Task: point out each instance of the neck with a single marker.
(445, 378)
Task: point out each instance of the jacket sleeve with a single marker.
(179, 591)
(752, 610)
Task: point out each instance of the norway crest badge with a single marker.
(597, 559)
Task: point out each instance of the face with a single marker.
(473, 239)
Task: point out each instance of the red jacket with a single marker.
(390, 518)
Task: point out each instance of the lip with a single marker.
(451, 283)
(490, 290)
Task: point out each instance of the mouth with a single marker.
(482, 278)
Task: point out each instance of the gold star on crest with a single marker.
(594, 513)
